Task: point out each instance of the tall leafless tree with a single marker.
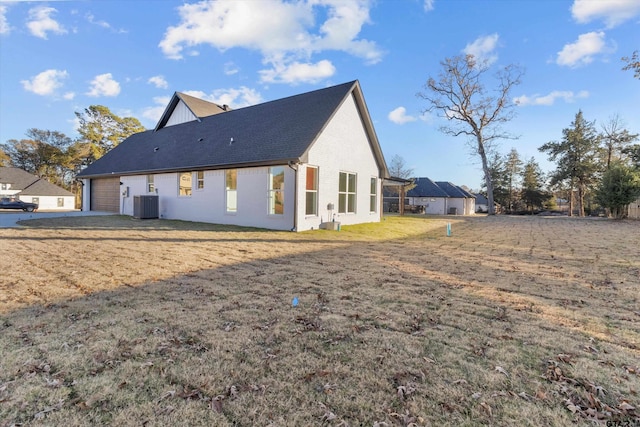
(459, 95)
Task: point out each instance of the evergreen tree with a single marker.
(101, 130)
(576, 157)
(533, 194)
(620, 185)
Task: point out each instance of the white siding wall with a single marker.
(181, 114)
(50, 203)
(433, 205)
(208, 204)
(343, 146)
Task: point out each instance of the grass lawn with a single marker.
(510, 321)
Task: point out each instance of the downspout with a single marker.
(294, 168)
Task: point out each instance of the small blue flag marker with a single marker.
(294, 302)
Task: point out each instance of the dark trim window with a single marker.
(200, 180)
(347, 192)
(231, 189)
(373, 196)
(311, 191)
(276, 190)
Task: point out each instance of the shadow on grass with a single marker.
(382, 332)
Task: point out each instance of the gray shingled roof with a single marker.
(30, 185)
(426, 188)
(265, 134)
(453, 190)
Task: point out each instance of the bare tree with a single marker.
(398, 168)
(633, 64)
(615, 139)
(459, 95)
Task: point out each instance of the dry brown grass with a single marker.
(510, 321)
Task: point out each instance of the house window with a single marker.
(231, 178)
(200, 180)
(276, 190)
(60, 202)
(4, 186)
(184, 184)
(347, 193)
(151, 188)
(311, 191)
(35, 200)
(373, 196)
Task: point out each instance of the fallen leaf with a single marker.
(502, 370)
(328, 416)
(216, 404)
(624, 406)
(487, 409)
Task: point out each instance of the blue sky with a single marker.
(59, 57)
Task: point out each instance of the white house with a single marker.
(16, 183)
(441, 198)
(288, 164)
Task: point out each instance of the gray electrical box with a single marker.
(145, 207)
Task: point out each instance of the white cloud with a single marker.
(104, 24)
(230, 68)
(46, 82)
(40, 22)
(296, 72)
(104, 85)
(154, 113)
(612, 12)
(235, 98)
(483, 48)
(567, 96)
(69, 96)
(582, 51)
(428, 5)
(5, 28)
(399, 116)
(286, 33)
(159, 82)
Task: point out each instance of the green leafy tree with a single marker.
(5, 160)
(42, 154)
(101, 130)
(533, 194)
(620, 185)
(576, 157)
(460, 96)
(633, 154)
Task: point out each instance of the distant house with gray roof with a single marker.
(16, 183)
(441, 198)
(290, 164)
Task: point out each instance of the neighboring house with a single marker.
(18, 184)
(288, 164)
(441, 198)
(482, 203)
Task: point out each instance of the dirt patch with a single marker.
(510, 321)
